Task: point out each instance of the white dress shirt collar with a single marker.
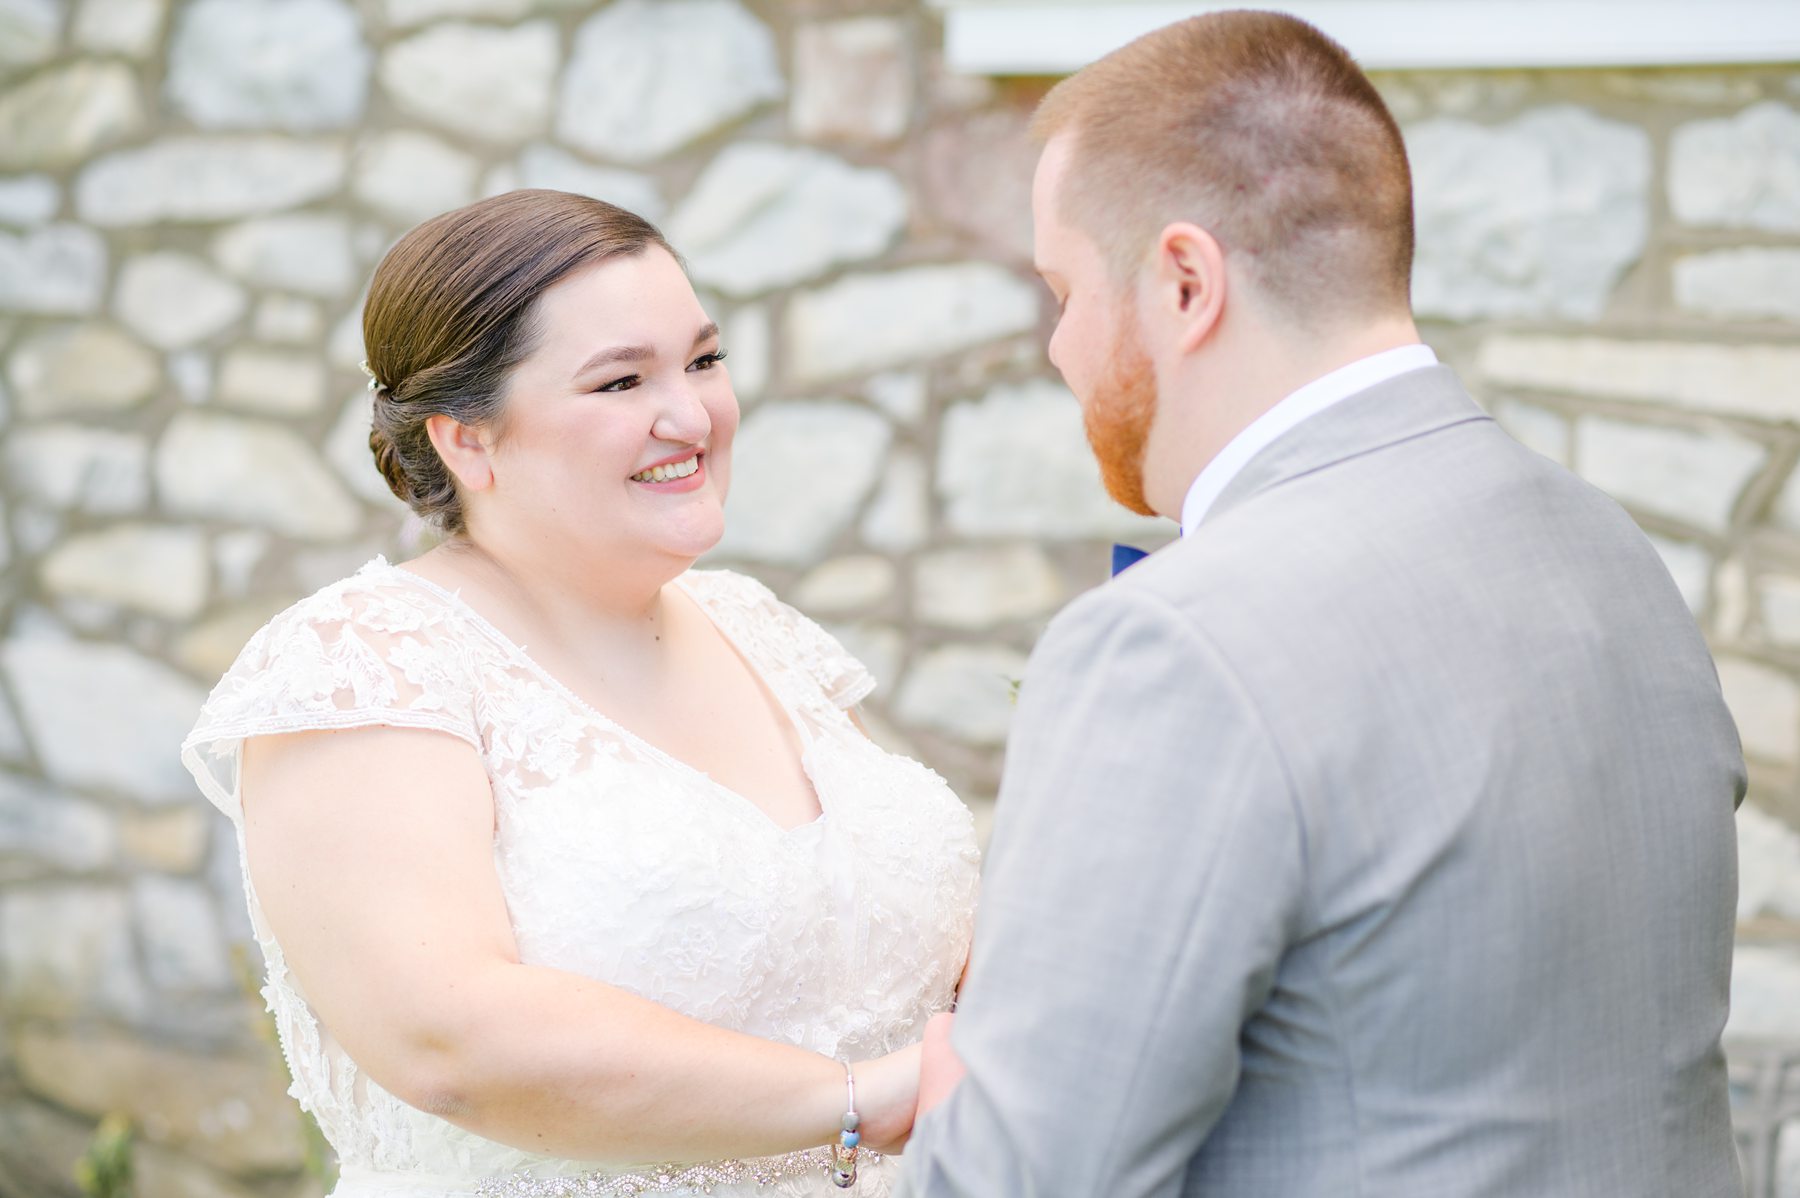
(1309, 400)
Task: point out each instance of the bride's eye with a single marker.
(708, 361)
(624, 384)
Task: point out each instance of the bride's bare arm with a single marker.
(371, 851)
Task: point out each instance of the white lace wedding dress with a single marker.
(620, 863)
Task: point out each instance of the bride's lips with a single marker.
(673, 486)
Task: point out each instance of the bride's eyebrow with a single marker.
(616, 353)
(639, 353)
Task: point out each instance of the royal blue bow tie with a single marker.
(1126, 556)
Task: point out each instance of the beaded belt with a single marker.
(663, 1179)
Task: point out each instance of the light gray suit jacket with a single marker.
(1374, 840)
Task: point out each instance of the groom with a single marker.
(1375, 838)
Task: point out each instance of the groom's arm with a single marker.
(1145, 878)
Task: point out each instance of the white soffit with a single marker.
(1055, 37)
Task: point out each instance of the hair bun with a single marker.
(387, 460)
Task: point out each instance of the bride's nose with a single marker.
(682, 419)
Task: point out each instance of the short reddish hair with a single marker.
(1258, 128)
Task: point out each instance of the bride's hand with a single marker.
(887, 1093)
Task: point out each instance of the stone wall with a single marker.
(192, 195)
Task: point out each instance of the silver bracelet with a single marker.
(843, 1153)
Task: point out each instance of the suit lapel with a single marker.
(1399, 409)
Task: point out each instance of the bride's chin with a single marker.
(692, 542)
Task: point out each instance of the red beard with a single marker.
(1118, 416)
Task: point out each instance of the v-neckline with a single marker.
(514, 649)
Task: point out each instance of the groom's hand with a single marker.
(941, 1068)
(887, 1096)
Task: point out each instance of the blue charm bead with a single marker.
(852, 1139)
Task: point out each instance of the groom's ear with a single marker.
(1188, 283)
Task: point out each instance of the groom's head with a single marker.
(1224, 191)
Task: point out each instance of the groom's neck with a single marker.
(1272, 362)
(1228, 385)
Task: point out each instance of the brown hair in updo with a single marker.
(451, 312)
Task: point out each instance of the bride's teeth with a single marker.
(669, 473)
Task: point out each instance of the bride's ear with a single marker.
(1188, 282)
(466, 453)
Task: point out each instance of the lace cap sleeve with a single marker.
(357, 654)
(844, 680)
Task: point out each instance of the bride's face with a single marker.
(626, 384)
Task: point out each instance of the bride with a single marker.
(573, 872)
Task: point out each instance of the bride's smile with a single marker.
(674, 475)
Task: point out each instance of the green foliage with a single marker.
(105, 1170)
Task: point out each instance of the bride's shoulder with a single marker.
(377, 647)
(741, 601)
(750, 607)
(379, 595)
(719, 584)
(379, 603)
